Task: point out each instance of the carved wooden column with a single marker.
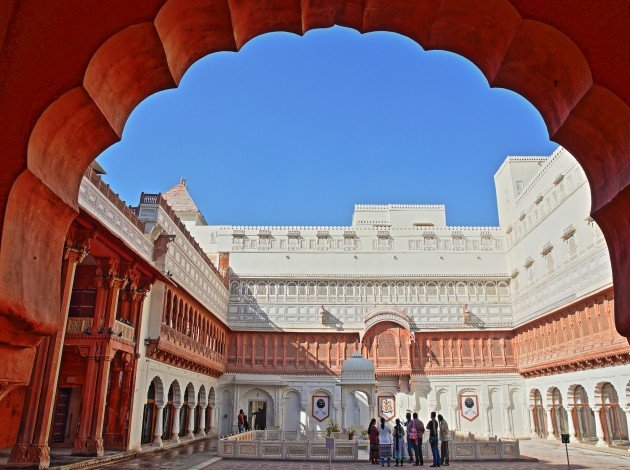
(550, 422)
(81, 445)
(533, 421)
(31, 449)
(100, 395)
(113, 414)
(570, 422)
(599, 428)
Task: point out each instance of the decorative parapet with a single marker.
(122, 330)
(173, 347)
(98, 200)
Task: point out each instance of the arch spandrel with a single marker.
(386, 315)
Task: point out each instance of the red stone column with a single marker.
(81, 445)
(31, 449)
(113, 414)
(95, 440)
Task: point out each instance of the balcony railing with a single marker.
(77, 326)
(187, 343)
(80, 325)
(122, 330)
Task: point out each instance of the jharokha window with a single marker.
(82, 303)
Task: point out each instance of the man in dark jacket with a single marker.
(433, 428)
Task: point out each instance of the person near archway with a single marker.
(385, 443)
(418, 425)
(444, 440)
(240, 418)
(432, 426)
(399, 443)
(373, 435)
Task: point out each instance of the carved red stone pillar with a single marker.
(113, 415)
(31, 449)
(95, 440)
(82, 445)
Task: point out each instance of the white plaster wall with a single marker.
(505, 416)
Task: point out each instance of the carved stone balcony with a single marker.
(122, 330)
(77, 326)
(179, 349)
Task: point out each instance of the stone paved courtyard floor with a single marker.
(551, 456)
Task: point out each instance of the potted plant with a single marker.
(332, 427)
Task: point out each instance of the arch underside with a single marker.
(122, 60)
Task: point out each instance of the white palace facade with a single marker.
(517, 317)
(174, 325)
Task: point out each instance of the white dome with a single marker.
(357, 370)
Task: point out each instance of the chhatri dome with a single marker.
(357, 370)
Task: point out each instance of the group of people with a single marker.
(387, 442)
(259, 420)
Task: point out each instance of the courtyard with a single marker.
(303, 279)
(541, 455)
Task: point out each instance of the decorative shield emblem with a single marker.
(387, 407)
(469, 407)
(321, 407)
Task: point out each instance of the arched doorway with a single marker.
(152, 414)
(611, 415)
(210, 409)
(538, 413)
(559, 418)
(357, 412)
(228, 415)
(582, 415)
(260, 402)
(291, 420)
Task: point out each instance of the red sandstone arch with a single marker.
(68, 89)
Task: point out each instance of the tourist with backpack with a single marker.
(416, 444)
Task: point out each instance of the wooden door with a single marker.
(60, 417)
(147, 423)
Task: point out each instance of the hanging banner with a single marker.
(387, 407)
(321, 407)
(469, 407)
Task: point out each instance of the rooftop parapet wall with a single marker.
(97, 198)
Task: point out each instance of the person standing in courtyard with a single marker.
(240, 422)
(444, 432)
(373, 435)
(385, 443)
(399, 443)
(417, 428)
(433, 428)
(408, 426)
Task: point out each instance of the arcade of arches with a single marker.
(77, 332)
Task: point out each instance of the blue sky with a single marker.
(296, 130)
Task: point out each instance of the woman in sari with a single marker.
(399, 444)
(373, 434)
